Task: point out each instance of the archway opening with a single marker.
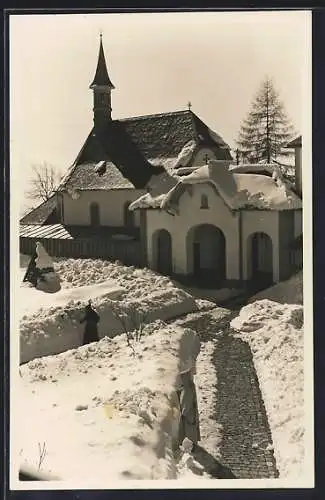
(260, 257)
(206, 246)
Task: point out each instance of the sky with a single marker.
(157, 63)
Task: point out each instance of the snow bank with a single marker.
(102, 413)
(136, 282)
(286, 292)
(54, 328)
(275, 335)
(31, 299)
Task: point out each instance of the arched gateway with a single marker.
(260, 259)
(206, 252)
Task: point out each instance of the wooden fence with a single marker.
(126, 251)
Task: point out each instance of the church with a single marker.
(120, 157)
(165, 185)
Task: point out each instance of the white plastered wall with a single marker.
(190, 215)
(111, 206)
(263, 221)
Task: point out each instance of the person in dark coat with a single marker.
(91, 320)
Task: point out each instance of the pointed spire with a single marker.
(101, 76)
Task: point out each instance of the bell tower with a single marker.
(102, 88)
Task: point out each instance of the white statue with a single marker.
(47, 279)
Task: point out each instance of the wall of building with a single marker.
(297, 223)
(190, 216)
(286, 239)
(202, 156)
(111, 206)
(263, 221)
(298, 169)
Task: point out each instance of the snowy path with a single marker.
(234, 426)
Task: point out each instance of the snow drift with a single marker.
(115, 411)
(286, 292)
(123, 297)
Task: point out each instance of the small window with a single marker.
(204, 201)
(94, 215)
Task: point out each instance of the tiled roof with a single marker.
(85, 177)
(131, 144)
(45, 213)
(296, 143)
(62, 232)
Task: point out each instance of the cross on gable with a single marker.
(189, 105)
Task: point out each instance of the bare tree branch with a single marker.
(44, 182)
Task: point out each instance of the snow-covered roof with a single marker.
(238, 190)
(158, 186)
(253, 167)
(295, 143)
(45, 213)
(135, 146)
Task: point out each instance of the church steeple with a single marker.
(101, 87)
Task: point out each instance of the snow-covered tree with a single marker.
(266, 129)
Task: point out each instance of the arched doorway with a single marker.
(94, 214)
(207, 254)
(261, 260)
(164, 251)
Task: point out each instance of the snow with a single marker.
(239, 190)
(50, 323)
(185, 154)
(31, 299)
(275, 334)
(93, 423)
(252, 167)
(285, 292)
(245, 190)
(148, 201)
(158, 186)
(110, 407)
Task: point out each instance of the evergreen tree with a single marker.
(266, 129)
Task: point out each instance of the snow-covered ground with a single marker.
(275, 334)
(86, 402)
(49, 323)
(101, 412)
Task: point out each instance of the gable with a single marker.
(140, 147)
(186, 198)
(45, 213)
